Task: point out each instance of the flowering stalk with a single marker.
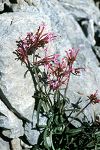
(48, 83)
(32, 42)
(92, 100)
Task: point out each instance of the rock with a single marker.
(96, 47)
(17, 89)
(42, 120)
(25, 146)
(1, 7)
(9, 121)
(14, 133)
(97, 52)
(15, 144)
(5, 7)
(4, 145)
(31, 134)
(81, 9)
(97, 35)
(16, 5)
(97, 2)
(91, 32)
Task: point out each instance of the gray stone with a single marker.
(18, 5)
(9, 121)
(81, 9)
(25, 146)
(97, 51)
(31, 134)
(3, 3)
(4, 145)
(17, 89)
(15, 144)
(42, 120)
(1, 7)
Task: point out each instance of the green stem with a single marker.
(33, 78)
(58, 98)
(66, 86)
(79, 112)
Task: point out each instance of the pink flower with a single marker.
(47, 60)
(26, 43)
(71, 55)
(32, 42)
(57, 74)
(54, 84)
(93, 98)
(42, 39)
(55, 58)
(57, 69)
(48, 37)
(22, 55)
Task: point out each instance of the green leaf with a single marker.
(91, 144)
(72, 109)
(38, 112)
(97, 133)
(47, 142)
(74, 131)
(51, 140)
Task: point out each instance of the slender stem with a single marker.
(32, 75)
(48, 97)
(79, 112)
(67, 85)
(36, 74)
(58, 98)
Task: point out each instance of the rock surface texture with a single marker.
(77, 24)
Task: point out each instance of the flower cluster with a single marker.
(58, 73)
(93, 98)
(32, 42)
(71, 55)
(49, 73)
(47, 60)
